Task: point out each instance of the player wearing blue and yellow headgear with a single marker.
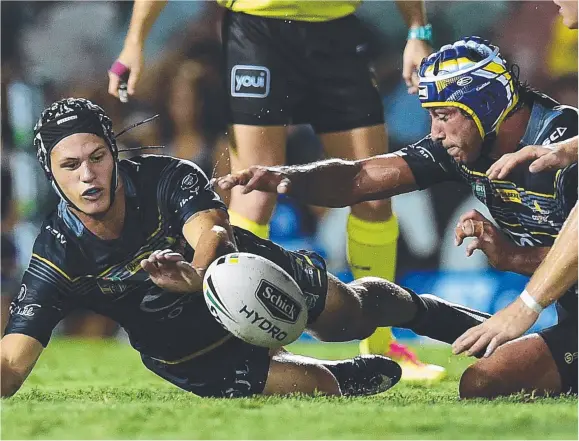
(472, 76)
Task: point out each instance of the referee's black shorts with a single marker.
(282, 72)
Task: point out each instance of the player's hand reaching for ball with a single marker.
(267, 179)
(170, 271)
(487, 238)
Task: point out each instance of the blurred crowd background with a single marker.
(55, 49)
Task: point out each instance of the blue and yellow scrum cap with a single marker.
(469, 74)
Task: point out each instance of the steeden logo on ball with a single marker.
(279, 304)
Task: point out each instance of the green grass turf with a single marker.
(100, 390)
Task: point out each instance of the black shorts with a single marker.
(235, 368)
(282, 72)
(562, 342)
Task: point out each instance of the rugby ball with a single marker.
(255, 299)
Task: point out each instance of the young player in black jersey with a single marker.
(470, 94)
(100, 250)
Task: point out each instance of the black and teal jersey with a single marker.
(71, 268)
(529, 208)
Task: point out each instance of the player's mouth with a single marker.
(92, 194)
(454, 152)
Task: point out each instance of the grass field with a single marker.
(100, 390)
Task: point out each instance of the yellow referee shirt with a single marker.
(304, 10)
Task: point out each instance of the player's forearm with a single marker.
(526, 260)
(339, 183)
(145, 13)
(330, 183)
(413, 12)
(213, 244)
(558, 272)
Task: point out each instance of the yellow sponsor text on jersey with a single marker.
(304, 10)
(510, 195)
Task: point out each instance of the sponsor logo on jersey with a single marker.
(541, 218)
(559, 131)
(311, 299)
(279, 304)
(537, 209)
(479, 191)
(570, 356)
(425, 153)
(59, 236)
(22, 293)
(134, 266)
(189, 181)
(25, 311)
(111, 288)
(509, 195)
(184, 201)
(250, 81)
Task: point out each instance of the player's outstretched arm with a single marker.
(18, 355)
(551, 157)
(130, 60)
(331, 183)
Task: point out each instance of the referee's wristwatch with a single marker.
(421, 33)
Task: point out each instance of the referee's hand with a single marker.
(414, 52)
(267, 179)
(131, 61)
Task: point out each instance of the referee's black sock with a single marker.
(444, 321)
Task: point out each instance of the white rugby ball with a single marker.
(255, 300)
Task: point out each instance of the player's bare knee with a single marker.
(477, 382)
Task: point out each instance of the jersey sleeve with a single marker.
(41, 302)
(185, 190)
(429, 163)
(561, 128)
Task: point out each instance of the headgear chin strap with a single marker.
(470, 74)
(67, 117)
